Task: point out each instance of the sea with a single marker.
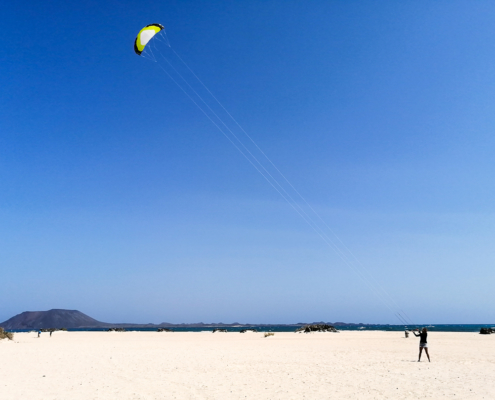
(292, 328)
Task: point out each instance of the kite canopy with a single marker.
(145, 35)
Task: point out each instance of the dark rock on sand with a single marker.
(317, 328)
(116, 330)
(219, 330)
(487, 331)
(249, 330)
(164, 330)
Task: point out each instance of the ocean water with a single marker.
(290, 328)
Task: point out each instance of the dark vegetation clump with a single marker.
(164, 330)
(317, 328)
(6, 335)
(487, 331)
(116, 330)
(219, 330)
(248, 330)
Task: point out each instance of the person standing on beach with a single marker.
(39, 332)
(422, 343)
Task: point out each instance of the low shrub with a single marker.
(6, 335)
(267, 334)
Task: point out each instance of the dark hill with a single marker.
(52, 319)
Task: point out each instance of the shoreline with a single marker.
(275, 328)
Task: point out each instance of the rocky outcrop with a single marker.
(487, 331)
(219, 330)
(317, 328)
(116, 330)
(164, 330)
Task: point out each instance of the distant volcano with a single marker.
(69, 319)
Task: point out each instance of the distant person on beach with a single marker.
(39, 332)
(51, 333)
(406, 333)
(422, 343)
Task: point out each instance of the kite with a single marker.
(145, 35)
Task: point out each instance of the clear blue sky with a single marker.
(120, 199)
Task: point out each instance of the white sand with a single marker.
(150, 365)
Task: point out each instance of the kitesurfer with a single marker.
(422, 343)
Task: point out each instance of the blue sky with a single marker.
(120, 199)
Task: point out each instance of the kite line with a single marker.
(147, 48)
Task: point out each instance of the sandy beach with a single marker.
(203, 365)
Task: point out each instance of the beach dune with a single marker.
(202, 365)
